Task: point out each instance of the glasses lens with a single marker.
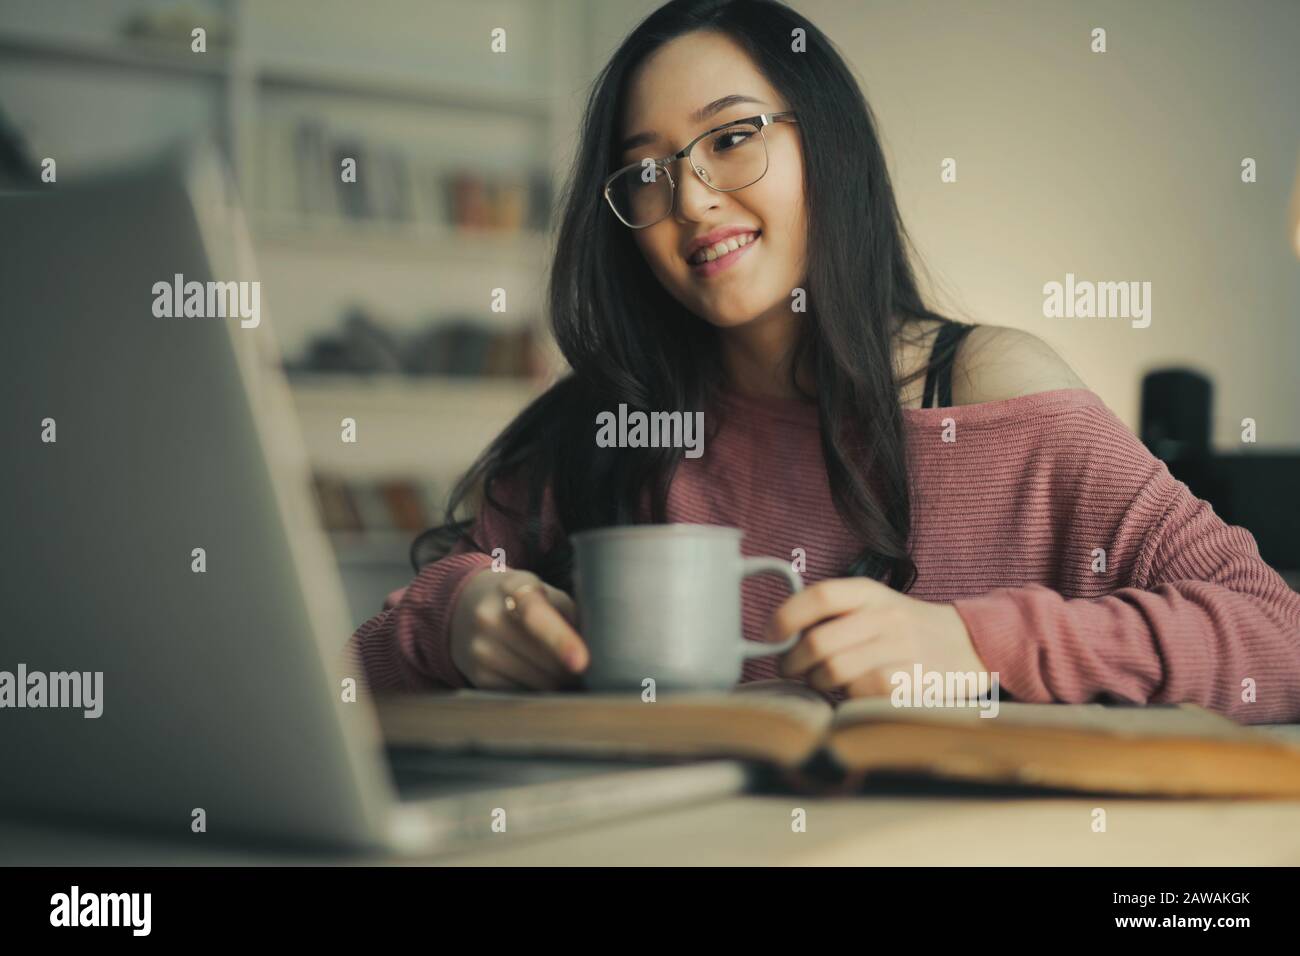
(728, 159)
(731, 158)
(642, 195)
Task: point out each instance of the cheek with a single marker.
(786, 203)
(660, 254)
(781, 208)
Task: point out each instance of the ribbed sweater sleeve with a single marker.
(1198, 616)
(408, 646)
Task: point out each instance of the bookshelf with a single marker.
(117, 55)
(315, 267)
(427, 430)
(248, 82)
(385, 241)
(432, 426)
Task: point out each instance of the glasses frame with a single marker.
(762, 121)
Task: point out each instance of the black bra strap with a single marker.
(942, 353)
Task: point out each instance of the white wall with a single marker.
(1116, 166)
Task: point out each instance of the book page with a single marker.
(790, 697)
(778, 720)
(1121, 720)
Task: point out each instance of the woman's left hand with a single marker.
(859, 632)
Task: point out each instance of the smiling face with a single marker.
(679, 79)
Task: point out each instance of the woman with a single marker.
(763, 277)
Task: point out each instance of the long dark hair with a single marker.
(627, 340)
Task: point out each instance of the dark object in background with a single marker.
(1176, 417)
(455, 345)
(1260, 491)
(311, 158)
(17, 170)
(363, 346)
(539, 200)
(1176, 407)
(1256, 491)
(467, 347)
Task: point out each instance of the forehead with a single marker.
(685, 74)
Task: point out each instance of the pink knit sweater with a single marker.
(1006, 520)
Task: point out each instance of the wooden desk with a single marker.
(755, 831)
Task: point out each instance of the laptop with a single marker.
(161, 534)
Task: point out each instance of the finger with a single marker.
(502, 668)
(494, 618)
(545, 624)
(825, 641)
(563, 603)
(513, 664)
(843, 669)
(879, 681)
(530, 649)
(824, 599)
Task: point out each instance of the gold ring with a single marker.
(511, 599)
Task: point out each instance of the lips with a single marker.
(711, 267)
(715, 236)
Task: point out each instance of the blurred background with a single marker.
(1116, 166)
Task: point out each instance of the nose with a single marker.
(693, 197)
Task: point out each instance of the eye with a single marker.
(731, 138)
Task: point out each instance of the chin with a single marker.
(729, 320)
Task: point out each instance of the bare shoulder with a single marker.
(995, 363)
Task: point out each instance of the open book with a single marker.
(1170, 750)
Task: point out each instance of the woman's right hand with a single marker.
(533, 647)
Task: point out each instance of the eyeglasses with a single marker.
(642, 194)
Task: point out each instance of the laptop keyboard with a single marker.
(419, 773)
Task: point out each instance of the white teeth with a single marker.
(709, 253)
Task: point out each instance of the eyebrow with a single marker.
(699, 116)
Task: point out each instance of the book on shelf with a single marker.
(501, 202)
(430, 202)
(467, 347)
(467, 200)
(451, 347)
(311, 157)
(354, 199)
(511, 353)
(383, 506)
(392, 186)
(812, 743)
(539, 201)
(338, 508)
(405, 505)
(301, 175)
(170, 28)
(372, 506)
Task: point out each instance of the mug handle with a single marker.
(749, 566)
